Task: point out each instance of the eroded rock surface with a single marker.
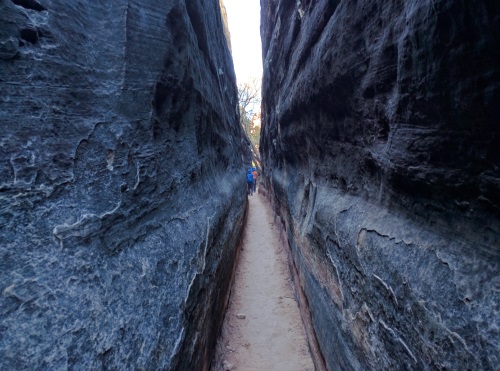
(380, 144)
(120, 203)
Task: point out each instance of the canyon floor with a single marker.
(262, 328)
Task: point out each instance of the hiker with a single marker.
(249, 182)
(255, 174)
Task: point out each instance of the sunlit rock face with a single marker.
(121, 200)
(381, 147)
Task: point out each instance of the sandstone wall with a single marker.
(120, 194)
(225, 24)
(380, 145)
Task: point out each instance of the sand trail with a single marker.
(271, 335)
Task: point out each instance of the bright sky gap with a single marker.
(244, 26)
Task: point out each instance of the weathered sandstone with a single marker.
(381, 149)
(121, 188)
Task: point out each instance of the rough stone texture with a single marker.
(381, 149)
(225, 24)
(121, 183)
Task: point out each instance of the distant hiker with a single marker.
(255, 175)
(249, 182)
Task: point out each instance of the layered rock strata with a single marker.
(120, 195)
(380, 145)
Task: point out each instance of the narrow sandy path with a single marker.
(271, 335)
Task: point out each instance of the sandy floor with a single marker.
(271, 335)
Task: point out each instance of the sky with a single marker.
(244, 26)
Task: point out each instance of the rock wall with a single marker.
(225, 24)
(380, 145)
(121, 202)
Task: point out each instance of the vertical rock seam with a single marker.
(120, 193)
(381, 152)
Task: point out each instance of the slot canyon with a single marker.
(123, 196)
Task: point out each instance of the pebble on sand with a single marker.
(241, 316)
(227, 366)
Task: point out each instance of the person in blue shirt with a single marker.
(250, 182)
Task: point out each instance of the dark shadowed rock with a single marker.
(380, 143)
(120, 194)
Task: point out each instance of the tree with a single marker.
(254, 131)
(249, 102)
